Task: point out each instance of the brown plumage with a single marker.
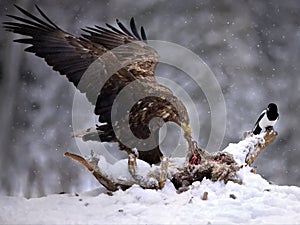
(71, 56)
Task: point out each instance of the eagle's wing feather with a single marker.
(72, 56)
(67, 54)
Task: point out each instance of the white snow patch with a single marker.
(119, 170)
(241, 149)
(254, 202)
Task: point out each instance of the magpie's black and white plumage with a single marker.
(267, 119)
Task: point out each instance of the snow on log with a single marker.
(117, 176)
(216, 166)
(247, 150)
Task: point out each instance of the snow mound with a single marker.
(254, 202)
(244, 148)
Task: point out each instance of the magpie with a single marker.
(267, 119)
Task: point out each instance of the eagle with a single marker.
(72, 56)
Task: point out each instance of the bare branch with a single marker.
(217, 166)
(106, 182)
(269, 137)
(80, 160)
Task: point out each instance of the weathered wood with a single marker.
(217, 166)
(106, 182)
(269, 137)
(112, 184)
(80, 160)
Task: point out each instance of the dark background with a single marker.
(253, 48)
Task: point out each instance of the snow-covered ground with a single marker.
(254, 202)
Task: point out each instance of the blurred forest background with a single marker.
(253, 48)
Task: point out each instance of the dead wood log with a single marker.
(155, 179)
(269, 137)
(217, 166)
(106, 182)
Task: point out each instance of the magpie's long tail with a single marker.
(257, 130)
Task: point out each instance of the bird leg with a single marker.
(269, 128)
(188, 136)
(196, 158)
(132, 165)
(163, 171)
(132, 156)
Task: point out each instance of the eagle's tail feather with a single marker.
(152, 156)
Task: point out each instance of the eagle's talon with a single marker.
(132, 165)
(163, 171)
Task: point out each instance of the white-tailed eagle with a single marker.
(71, 56)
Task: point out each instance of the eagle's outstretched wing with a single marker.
(66, 53)
(72, 56)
